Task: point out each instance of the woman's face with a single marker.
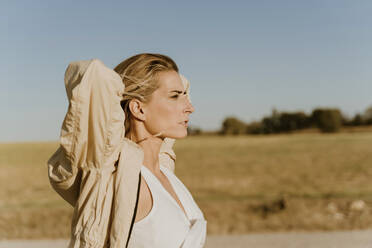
(169, 107)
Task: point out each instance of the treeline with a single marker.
(326, 119)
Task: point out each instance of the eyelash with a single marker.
(175, 96)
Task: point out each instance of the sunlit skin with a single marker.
(166, 113)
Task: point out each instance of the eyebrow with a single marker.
(178, 91)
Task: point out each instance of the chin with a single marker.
(178, 135)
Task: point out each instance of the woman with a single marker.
(115, 164)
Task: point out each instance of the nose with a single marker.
(189, 107)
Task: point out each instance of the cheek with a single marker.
(166, 110)
(163, 113)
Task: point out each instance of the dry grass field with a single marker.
(243, 184)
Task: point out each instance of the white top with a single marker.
(167, 226)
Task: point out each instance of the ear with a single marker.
(137, 108)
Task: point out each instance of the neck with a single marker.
(150, 145)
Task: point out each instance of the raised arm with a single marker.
(92, 130)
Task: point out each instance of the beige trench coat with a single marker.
(96, 169)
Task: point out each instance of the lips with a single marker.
(184, 123)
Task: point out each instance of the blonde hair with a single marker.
(138, 74)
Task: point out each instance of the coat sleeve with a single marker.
(81, 170)
(167, 156)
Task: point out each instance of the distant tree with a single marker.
(255, 127)
(367, 116)
(268, 125)
(271, 124)
(293, 121)
(327, 120)
(232, 125)
(357, 120)
(193, 130)
(284, 122)
(346, 121)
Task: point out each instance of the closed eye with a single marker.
(179, 93)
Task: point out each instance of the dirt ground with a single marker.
(347, 239)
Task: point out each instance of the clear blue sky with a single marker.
(242, 57)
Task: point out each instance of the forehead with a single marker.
(169, 81)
